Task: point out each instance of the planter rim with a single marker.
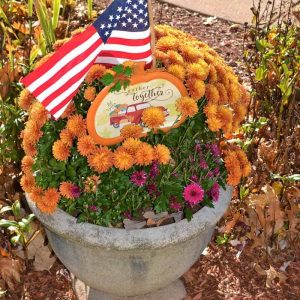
(66, 226)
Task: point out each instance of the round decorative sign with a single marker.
(111, 111)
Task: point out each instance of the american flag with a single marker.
(122, 32)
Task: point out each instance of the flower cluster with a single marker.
(182, 169)
(205, 74)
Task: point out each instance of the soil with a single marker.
(221, 273)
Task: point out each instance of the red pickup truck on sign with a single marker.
(133, 114)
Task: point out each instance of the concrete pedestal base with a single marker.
(174, 291)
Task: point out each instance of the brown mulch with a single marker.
(218, 274)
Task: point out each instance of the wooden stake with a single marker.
(153, 40)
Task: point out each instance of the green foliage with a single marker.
(18, 227)
(116, 195)
(120, 80)
(274, 57)
(222, 240)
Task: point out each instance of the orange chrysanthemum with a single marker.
(196, 88)
(190, 53)
(177, 70)
(38, 113)
(131, 130)
(66, 190)
(77, 125)
(122, 159)
(214, 123)
(222, 92)
(210, 110)
(90, 93)
(131, 144)
(213, 75)
(36, 194)
(144, 154)
(29, 147)
(27, 182)
(27, 163)
(212, 93)
(43, 60)
(175, 57)
(232, 165)
(86, 145)
(66, 137)
(187, 106)
(162, 56)
(162, 154)
(95, 72)
(244, 162)
(32, 131)
(70, 110)
(226, 117)
(49, 201)
(167, 43)
(198, 70)
(240, 112)
(102, 160)
(59, 43)
(60, 150)
(234, 93)
(25, 99)
(153, 117)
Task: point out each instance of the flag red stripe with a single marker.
(63, 103)
(68, 84)
(56, 57)
(71, 65)
(128, 42)
(120, 54)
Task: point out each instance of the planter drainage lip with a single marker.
(66, 226)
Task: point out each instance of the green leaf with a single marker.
(221, 240)
(260, 73)
(107, 79)
(128, 71)
(188, 213)
(119, 69)
(16, 208)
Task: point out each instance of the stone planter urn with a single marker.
(131, 264)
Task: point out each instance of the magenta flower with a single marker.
(210, 174)
(198, 148)
(139, 178)
(194, 178)
(215, 192)
(154, 171)
(75, 191)
(203, 164)
(216, 172)
(193, 194)
(127, 215)
(174, 204)
(151, 189)
(215, 150)
(93, 208)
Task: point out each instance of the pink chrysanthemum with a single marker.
(139, 178)
(215, 192)
(193, 194)
(203, 164)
